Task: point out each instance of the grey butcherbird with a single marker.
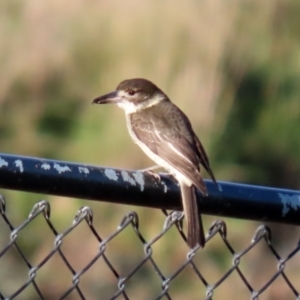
(166, 135)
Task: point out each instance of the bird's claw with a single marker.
(155, 175)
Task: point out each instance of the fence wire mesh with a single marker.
(120, 278)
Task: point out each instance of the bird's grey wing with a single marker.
(172, 147)
(201, 154)
(204, 159)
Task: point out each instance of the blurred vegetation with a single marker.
(232, 66)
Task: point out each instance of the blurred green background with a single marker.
(232, 66)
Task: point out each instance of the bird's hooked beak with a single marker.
(112, 97)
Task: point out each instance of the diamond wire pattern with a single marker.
(85, 214)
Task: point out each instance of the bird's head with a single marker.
(134, 95)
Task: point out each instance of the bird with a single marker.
(166, 135)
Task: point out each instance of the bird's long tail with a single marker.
(195, 232)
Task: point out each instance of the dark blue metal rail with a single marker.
(67, 179)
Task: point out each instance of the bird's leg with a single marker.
(155, 167)
(150, 168)
(150, 171)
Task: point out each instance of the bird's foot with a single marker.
(155, 175)
(150, 172)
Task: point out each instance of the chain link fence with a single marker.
(128, 275)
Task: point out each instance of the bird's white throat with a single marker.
(130, 107)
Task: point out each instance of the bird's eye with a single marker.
(131, 92)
